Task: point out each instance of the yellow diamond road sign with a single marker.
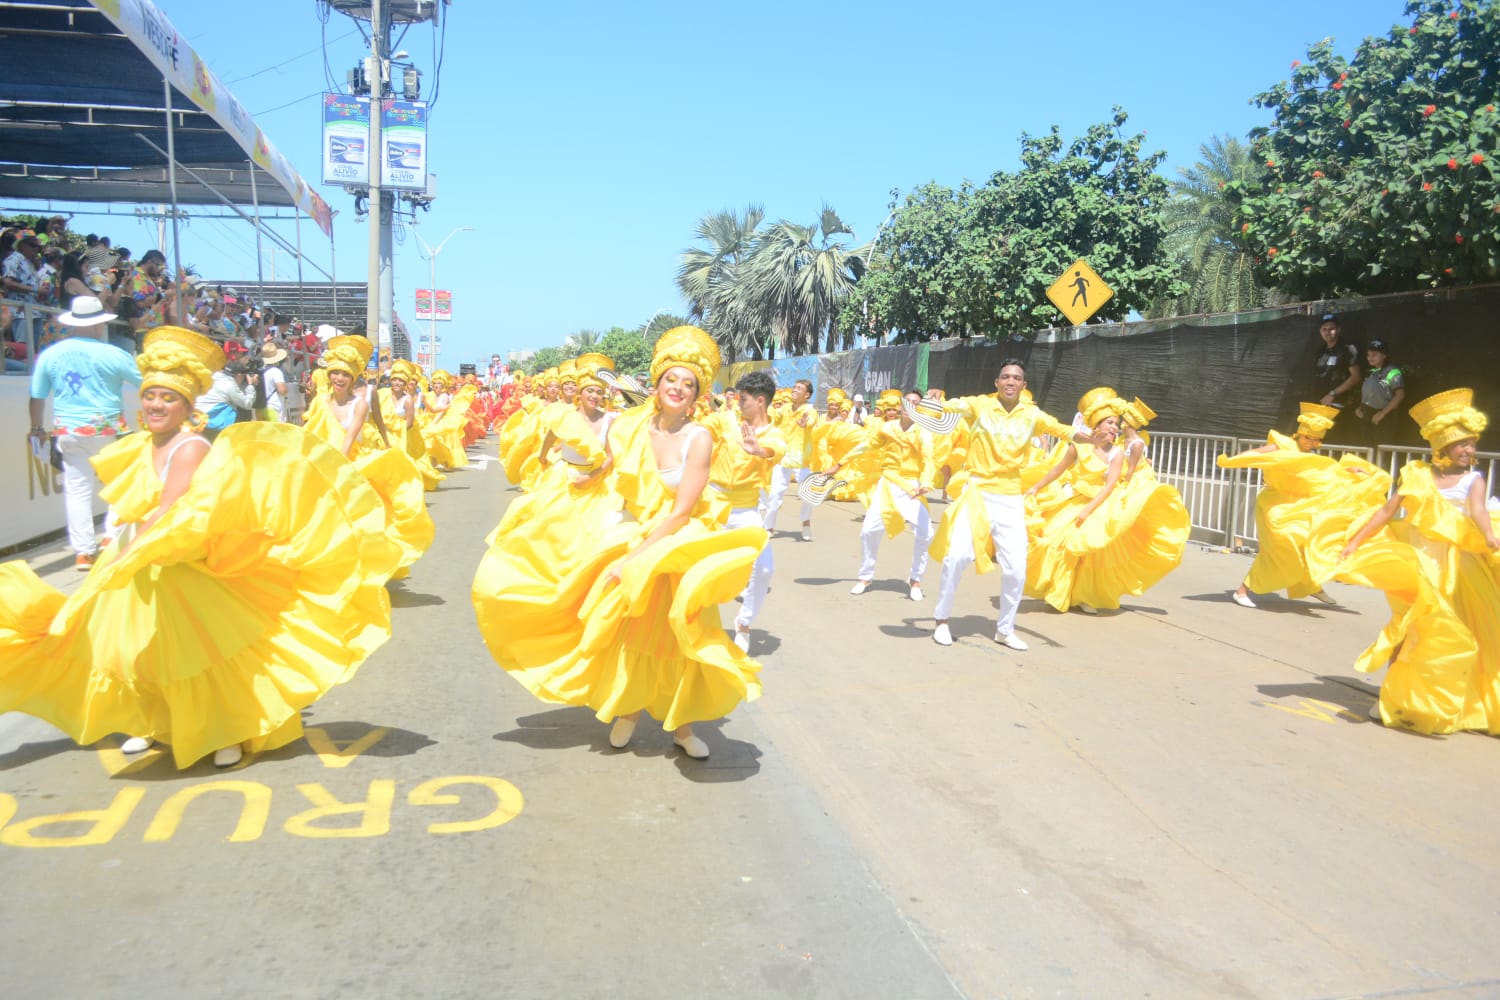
(1079, 292)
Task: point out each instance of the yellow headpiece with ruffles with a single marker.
(179, 360)
(1448, 417)
(441, 378)
(348, 354)
(1316, 420)
(1099, 403)
(401, 368)
(687, 347)
(589, 365)
(568, 371)
(1137, 413)
(890, 399)
(547, 377)
(837, 395)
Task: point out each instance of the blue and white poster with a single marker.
(346, 134)
(403, 137)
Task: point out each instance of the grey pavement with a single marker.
(1181, 799)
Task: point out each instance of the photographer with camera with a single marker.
(233, 390)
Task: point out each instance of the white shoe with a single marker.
(620, 733)
(860, 587)
(807, 532)
(742, 639)
(1323, 598)
(1375, 712)
(1243, 600)
(916, 591)
(1012, 641)
(942, 635)
(1086, 609)
(136, 744)
(692, 746)
(229, 756)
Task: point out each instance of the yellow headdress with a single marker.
(347, 354)
(687, 347)
(837, 395)
(440, 378)
(1137, 413)
(1448, 417)
(890, 399)
(1097, 404)
(588, 366)
(179, 360)
(401, 368)
(568, 371)
(1316, 420)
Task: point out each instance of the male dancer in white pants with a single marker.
(797, 427)
(1002, 431)
(746, 446)
(898, 499)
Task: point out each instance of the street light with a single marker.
(432, 286)
(645, 330)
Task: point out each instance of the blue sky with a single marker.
(584, 141)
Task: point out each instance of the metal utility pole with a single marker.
(380, 215)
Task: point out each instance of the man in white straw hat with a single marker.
(86, 379)
(272, 354)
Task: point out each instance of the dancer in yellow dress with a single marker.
(249, 582)
(632, 623)
(1306, 496)
(1109, 538)
(341, 420)
(1439, 566)
(443, 428)
(399, 404)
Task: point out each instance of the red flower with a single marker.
(1317, 173)
(1271, 251)
(1458, 237)
(1385, 192)
(1426, 186)
(1245, 226)
(1307, 208)
(1453, 15)
(1338, 85)
(1271, 163)
(1414, 29)
(1343, 76)
(1296, 63)
(1452, 163)
(1427, 112)
(1447, 270)
(1477, 159)
(1346, 123)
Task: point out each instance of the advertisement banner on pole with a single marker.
(346, 133)
(404, 140)
(424, 303)
(443, 303)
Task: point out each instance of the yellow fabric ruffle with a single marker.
(257, 591)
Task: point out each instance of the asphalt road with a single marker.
(1181, 799)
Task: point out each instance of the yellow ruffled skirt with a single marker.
(555, 620)
(260, 589)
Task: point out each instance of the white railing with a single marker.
(1221, 502)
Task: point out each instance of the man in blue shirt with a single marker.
(86, 379)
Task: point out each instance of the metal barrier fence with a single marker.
(35, 327)
(1221, 502)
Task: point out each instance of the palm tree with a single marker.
(708, 277)
(581, 342)
(1201, 237)
(797, 278)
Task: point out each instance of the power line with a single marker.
(290, 60)
(308, 97)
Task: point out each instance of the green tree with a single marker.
(978, 261)
(581, 342)
(659, 325)
(547, 357)
(1381, 172)
(796, 278)
(1202, 238)
(630, 352)
(708, 277)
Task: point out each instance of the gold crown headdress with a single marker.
(1316, 420)
(568, 371)
(589, 366)
(347, 353)
(687, 347)
(1137, 413)
(1449, 417)
(1097, 404)
(890, 399)
(179, 360)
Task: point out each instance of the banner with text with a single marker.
(403, 138)
(346, 133)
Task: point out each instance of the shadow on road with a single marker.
(567, 728)
(403, 598)
(30, 753)
(1349, 693)
(1273, 603)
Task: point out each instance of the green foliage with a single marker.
(581, 342)
(547, 357)
(1202, 238)
(978, 261)
(708, 276)
(1381, 172)
(659, 325)
(630, 351)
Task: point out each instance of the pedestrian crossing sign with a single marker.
(1079, 293)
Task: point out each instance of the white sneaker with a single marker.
(916, 591)
(1086, 609)
(620, 733)
(1243, 600)
(136, 744)
(942, 635)
(692, 746)
(1012, 641)
(1323, 598)
(860, 587)
(807, 532)
(229, 756)
(742, 639)
(1375, 712)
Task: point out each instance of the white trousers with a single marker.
(781, 478)
(914, 512)
(79, 486)
(753, 598)
(1007, 515)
